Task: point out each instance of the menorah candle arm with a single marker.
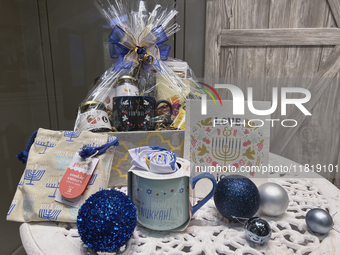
(55, 191)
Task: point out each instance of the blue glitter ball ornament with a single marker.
(236, 196)
(106, 220)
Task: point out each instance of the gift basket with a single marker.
(145, 89)
(67, 173)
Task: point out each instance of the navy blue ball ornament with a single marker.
(258, 230)
(237, 196)
(106, 220)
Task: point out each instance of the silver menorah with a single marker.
(14, 203)
(63, 158)
(225, 149)
(53, 183)
(46, 211)
(34, 174)
(71, 135)
(28, 203)
(45, 141)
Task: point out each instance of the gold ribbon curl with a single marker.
(146, 39)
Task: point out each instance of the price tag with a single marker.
(76, 177)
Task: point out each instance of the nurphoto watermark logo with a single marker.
(239, 103)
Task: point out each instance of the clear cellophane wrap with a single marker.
(137, 44)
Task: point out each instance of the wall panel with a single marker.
(23, 100)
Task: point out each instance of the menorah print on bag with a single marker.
(71, 135)
(64, 158)
(225, 148)
(34, 173)
(74, 212)
(92, 180)
(53, 183)
(95, 141)
(46, 158)
(13, 204)
(28, 203)
(108, 164)
(102, 184)
(45, 141)
(47, 212)
(111, 139)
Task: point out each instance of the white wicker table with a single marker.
(210, 233)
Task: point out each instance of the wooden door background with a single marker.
(291, 40)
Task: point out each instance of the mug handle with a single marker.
(194, 181)
(170, 106)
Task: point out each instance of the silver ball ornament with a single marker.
(274, 199)
(319, 221)
(258, 230)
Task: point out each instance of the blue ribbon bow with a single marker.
(148, 51)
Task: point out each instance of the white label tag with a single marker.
(74, 202)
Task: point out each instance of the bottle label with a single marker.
(94, 119)
(127, 90)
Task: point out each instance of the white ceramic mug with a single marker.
(163, 203)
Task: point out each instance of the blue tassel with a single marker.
(23, 155)
(88, 151)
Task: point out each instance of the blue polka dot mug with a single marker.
(163, 201)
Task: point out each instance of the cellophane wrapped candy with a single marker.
(144, 87)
